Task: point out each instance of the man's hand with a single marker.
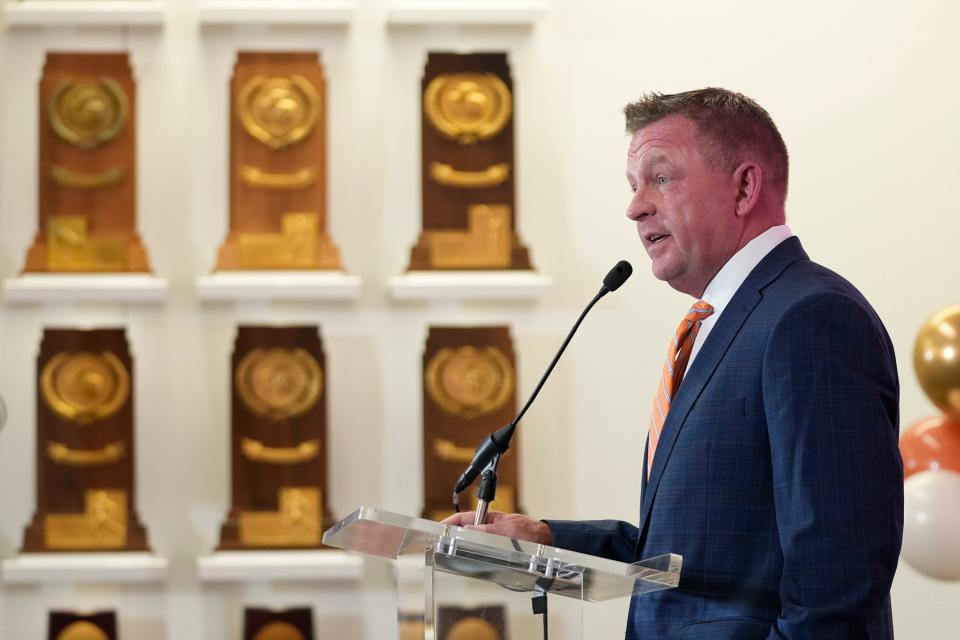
(512, 525)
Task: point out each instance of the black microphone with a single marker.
(497, 443)
(617, 276)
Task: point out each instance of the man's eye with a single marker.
(662, 179)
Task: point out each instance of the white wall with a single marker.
(866, 96)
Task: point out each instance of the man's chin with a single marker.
(666, 273)
(678, 279)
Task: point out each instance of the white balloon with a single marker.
(931, 523)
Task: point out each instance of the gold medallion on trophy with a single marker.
(472, 629)
(82, 630)
(88, 113)
(468, 107)
(279, 631)
(278, 111)
(83, 386)
(468, 381)
(279, 383)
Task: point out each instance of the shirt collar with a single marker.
(725, 284)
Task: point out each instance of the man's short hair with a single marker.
(731, 127)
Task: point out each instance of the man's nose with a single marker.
(639, 207)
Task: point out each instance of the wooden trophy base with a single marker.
(488, 243)
(276, 530)
(93, 255)
(277, 251)
(98, 528)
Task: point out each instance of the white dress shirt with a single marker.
(725, 284)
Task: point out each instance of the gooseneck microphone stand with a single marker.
(487, 456)
(487, 488)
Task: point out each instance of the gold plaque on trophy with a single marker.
(279, 465)
(102, 525)
(70, 247)
(468, 170)
(278, 186)
(295, 247)
(295, 524)
(85, 445)
(87, 182)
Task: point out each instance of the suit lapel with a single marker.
(714, 347)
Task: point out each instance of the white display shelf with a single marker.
(276, 12)
(238, 566)
(39, 568)
(278, 285)
(60, 13)
(469, 285)
(85, 287)
(490, 12)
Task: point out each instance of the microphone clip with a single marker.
(486, 491)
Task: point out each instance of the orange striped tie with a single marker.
(677, 357)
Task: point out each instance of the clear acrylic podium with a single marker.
(458, 584)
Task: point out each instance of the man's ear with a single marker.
(748, 181)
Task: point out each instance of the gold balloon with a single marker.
(936, 358)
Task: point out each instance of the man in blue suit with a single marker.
(772, 463)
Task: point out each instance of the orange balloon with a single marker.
(930, 444)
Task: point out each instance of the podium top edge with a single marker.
(378, 532)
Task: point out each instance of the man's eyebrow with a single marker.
(656, 157)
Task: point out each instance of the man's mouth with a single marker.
(654, 238)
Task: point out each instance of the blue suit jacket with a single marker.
(777, 476)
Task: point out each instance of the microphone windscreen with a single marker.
(618, 275)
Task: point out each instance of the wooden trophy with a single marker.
(267, 624)
(87, 183)
(278, 173)
(468, 173)
(279, 468)
(86, 499)
(469, 390)
(66, 625)
(484, 623)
